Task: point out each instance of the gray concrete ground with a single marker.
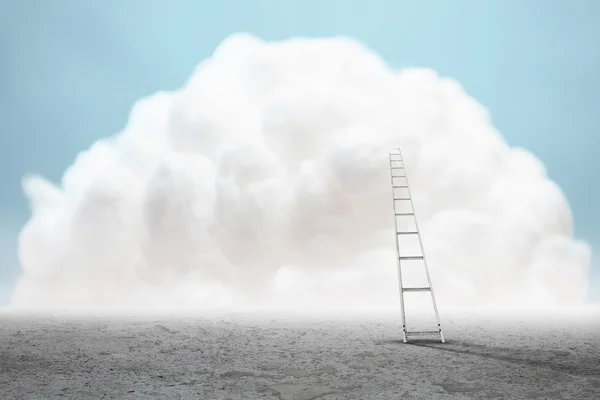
(298, 357)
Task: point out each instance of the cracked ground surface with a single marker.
(298, 357)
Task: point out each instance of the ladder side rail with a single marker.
(400, 286)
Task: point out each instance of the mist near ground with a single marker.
(264, 181)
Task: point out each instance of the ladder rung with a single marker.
(416, 289)
(399, 186)
(423, 332)
(398, 168)
(411, 257)
(401, 198)
(407, 233)
(408, 213)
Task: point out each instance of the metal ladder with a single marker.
(400, 183)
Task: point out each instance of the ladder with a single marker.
(400, 184)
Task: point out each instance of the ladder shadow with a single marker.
(587, 364)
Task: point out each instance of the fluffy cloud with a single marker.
(265, 179)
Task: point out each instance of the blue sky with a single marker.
(70, 70)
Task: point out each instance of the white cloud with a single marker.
(266, 177)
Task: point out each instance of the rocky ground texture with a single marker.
(298, 357)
